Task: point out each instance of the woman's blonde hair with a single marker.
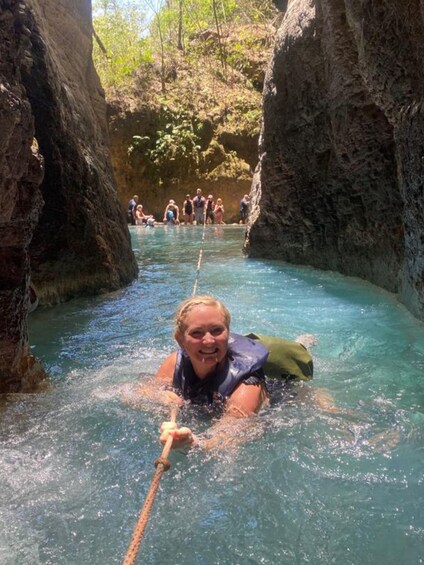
(200, 300)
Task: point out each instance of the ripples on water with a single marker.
(316, 487)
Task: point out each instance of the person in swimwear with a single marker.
(132, 205)
(188, 210)
(210, 207)
(212, 366)
(217, 367)
(141, 218)
(244, 208)
(171, 214)
(199, 203)
(219, 211)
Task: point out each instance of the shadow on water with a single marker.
(343, 487)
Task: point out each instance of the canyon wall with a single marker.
(21, 167)
(81, 243)
(62, 229)
(340, 180)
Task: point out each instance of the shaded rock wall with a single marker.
(21, 167)
(339, 184)
(48, 90)
(81, 243)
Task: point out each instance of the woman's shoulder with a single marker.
(166, 370)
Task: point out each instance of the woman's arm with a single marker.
(166, 370)
(234, 427)
(237, 424)
(246, 400)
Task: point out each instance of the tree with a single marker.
(122, 45)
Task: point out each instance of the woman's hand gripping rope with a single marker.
(182, 438)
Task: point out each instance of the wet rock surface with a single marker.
(61, 225)
(339, 184)
(81, 243)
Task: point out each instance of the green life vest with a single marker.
(286, 359)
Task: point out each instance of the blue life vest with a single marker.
(244, 363)
(198, 201)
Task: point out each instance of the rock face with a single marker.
(340, 180)
(21, 167)
(81, 243)
(78, 242)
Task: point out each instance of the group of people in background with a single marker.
(201, 209)
(197, 210)
(135, 214)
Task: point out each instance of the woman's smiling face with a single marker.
(204, 338)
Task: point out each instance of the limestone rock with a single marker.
(61, 224)
(339, 184)
(81, 243)
(21, 167)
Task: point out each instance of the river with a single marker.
(342, 487)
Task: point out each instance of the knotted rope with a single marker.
(162, 464)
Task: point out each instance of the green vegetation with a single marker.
(122, 45)
(128, 40)
(196, 65)
(174, 150)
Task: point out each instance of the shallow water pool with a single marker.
(315, 487)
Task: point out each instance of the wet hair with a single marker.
(198, 300)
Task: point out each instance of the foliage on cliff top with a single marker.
(202, 57)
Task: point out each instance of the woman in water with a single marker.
(212, 366)
(141, 218)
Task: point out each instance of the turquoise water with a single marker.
(315, 487)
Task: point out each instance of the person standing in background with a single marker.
(188, 210)
(170, 216)
(210, 206)
(132, 206)
(199, 202)
(244, 208)
(219, 211)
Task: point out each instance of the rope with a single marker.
(199, 262)
(162, 464)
